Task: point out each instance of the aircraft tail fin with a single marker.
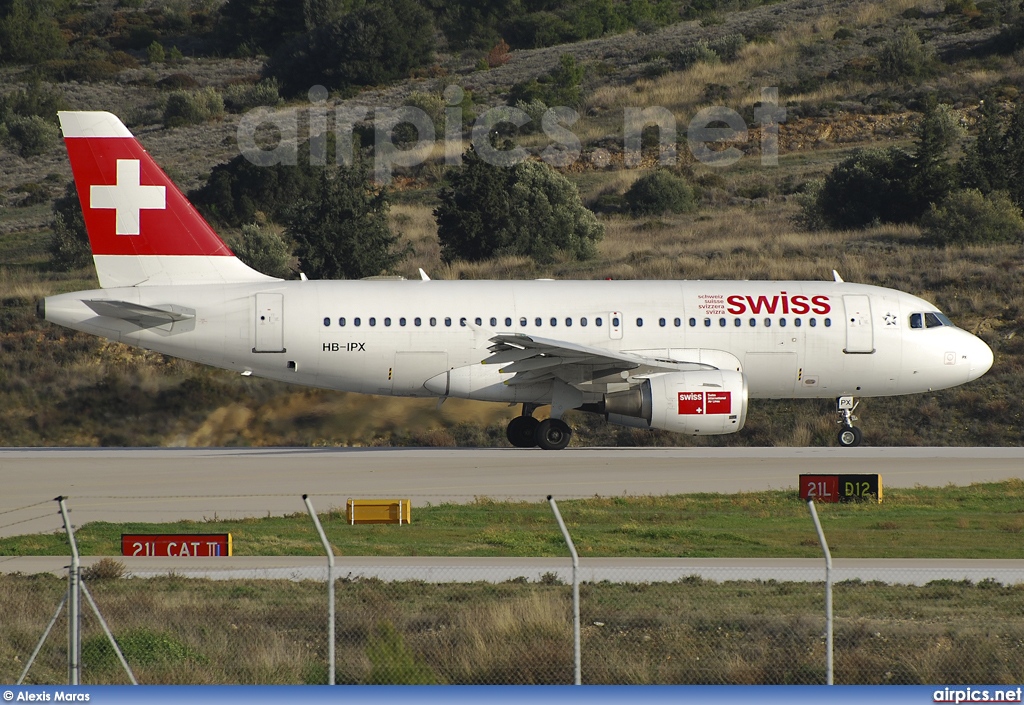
(142, 229)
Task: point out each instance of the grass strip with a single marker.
(976, 521)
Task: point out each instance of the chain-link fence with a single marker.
(510, 621)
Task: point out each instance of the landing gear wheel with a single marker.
(849, 437)
(553, 434)
(522, 431)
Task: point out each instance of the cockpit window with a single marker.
(931, 319)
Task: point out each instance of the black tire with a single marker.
(553, 434)
(849, 437)
(522, 431)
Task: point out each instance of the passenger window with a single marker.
(508, 322)
(357, 322)
(693, 322)
(661, 322)
(915, 320)
(448, 321)
(813, 322)
(615, 322)
(479, 321)
(707, 322)
(677, 322)
(639, 323)
(798, 322)
(522, 322)
(401, 322)
(767, 323)
(598, 321)
(462, 322)
(327, 323)
(828, 322)
(417, 321)
(737, 322)
(433, 321)
(782, 322)
(568, 322)
(721, 323)
(494, 323)
(372, 321)
(387, 322)
(583, 322)
(341, 322)
(753, 322)
(538, 322)
(554, 322)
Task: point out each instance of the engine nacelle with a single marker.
(702, 403)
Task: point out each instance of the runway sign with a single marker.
(378, 511)
(840, 488)
(190, 545)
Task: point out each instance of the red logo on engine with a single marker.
(691, 403)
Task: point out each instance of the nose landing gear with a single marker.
(849, 435)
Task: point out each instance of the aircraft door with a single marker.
(615, 325)
(269, 323)
(860, 338)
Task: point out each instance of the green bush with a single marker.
(528, 209)
(699, 53)
(341, 228)
(561, 86)
(262, 248)
(375, 44)
(29, 34)
(193, 107)
(155, 53)
(31, 136)
(40, 99)
(69, 247)
(968, 217)
(905, 56)
(660, 192)
(238, 191)
(243, 96)
(870, 186)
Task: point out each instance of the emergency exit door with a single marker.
(269, 323)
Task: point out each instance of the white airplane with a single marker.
(684, 356)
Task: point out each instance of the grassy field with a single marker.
(176, 630)
(978, 521)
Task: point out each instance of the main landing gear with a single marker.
(527, 432)
(849, 435)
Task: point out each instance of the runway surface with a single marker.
(156, 485)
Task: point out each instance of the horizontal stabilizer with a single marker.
(142, 316)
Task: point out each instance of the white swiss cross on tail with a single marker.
(127, 197)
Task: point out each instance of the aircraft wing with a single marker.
(535, 359)
(139, 315)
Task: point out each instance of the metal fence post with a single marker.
(828, 591)
(330, 588)
(74, 602)
(575, 591)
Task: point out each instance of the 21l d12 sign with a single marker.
(841, 488)
(176, 545)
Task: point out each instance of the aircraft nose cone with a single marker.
(980, 358)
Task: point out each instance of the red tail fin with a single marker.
(142, 229)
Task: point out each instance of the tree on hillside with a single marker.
(374, 44)
(341, 228)
(69, 247)
(528, 209)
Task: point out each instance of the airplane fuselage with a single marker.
(428, 338)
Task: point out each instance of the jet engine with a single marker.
(701, 403)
